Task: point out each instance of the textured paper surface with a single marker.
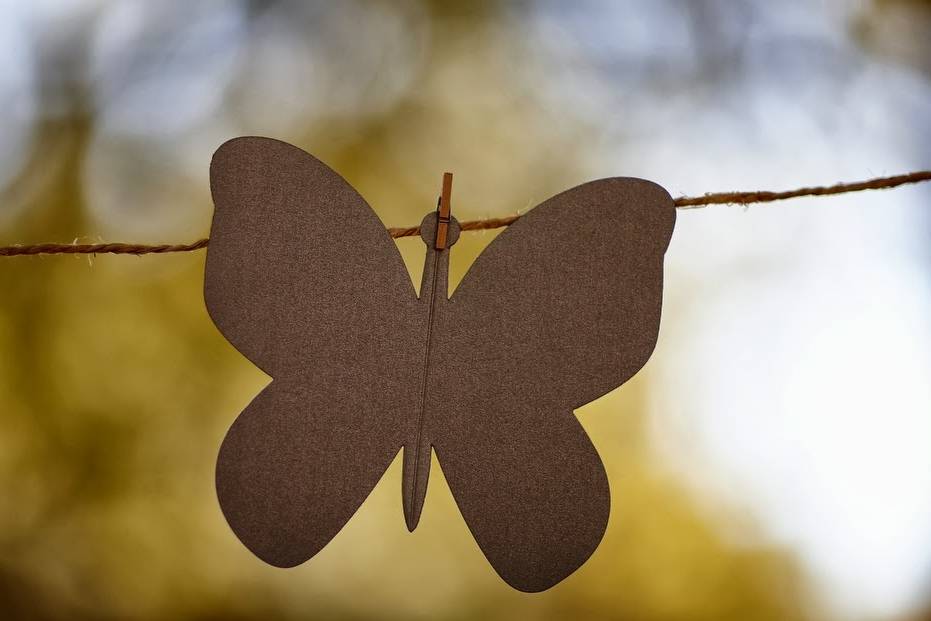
(305, 281)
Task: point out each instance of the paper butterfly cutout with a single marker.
(305, 281)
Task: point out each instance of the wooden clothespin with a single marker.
(443, 211)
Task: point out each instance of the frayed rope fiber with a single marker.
(683, 202)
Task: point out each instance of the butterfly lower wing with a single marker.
(560, 309)
(305, 281)
(537, 505)
(297, 464)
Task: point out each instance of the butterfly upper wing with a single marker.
(305, 281)
(293, 246)
(560, 309)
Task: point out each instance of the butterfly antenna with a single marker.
(443, 211)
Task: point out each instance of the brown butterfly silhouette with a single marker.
(303, 279)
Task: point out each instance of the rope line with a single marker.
(683, 202)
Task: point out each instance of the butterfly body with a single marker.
(433, 296)
(560, 309)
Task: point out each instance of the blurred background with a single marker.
(772, 459)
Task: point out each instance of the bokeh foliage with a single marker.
(116, 389)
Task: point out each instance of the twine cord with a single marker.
(683, 202)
